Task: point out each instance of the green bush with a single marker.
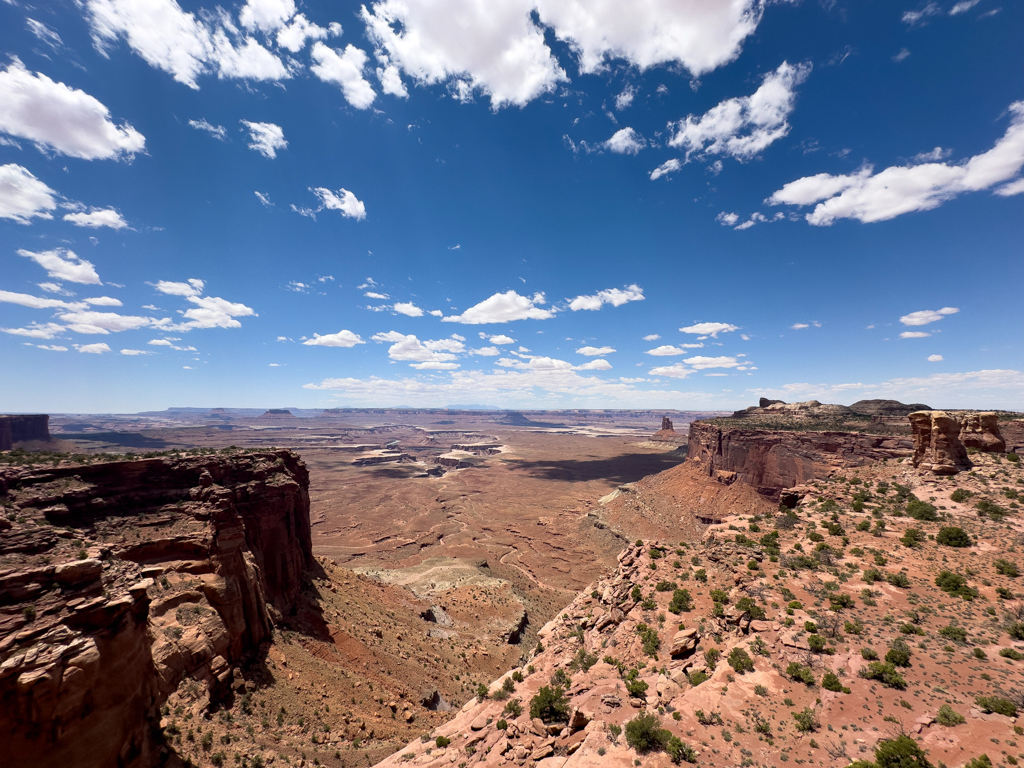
(901, 752)
(1015, 630)
(953, 632)
(885, 673)
(719, 596)
(1012, 457)
(681, 601)
(869, 653)
(831, 682)
(805, 720)
(981, 761)
(949, 717)
(696, 678)
(800, 673)
(1006, 568)
(990, 509)
(952, 536)
(645, 734)
(442, 741)
(651, 641)
(1010, 653)
(514, 707)
(997, 704)
(898, 653)
(747, 605)
(680, 751)
(898, 579)
(955, 584)
(665, 586)
(912, 537)
(960, 495)
(550, 705)
(921, 510)
(740, 661)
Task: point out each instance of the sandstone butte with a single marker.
(814, 631)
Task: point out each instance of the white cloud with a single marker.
(1013, 188)
(742, 127)
(23, 196)
(103, 301)
(503, 308)
(134, 352)
(45, 34)
(266, 15)
(798, 326)
(486, 351)
(214, 312)
(294, 36)
(193, 287)
(265, 138)
(342, 201)
(375, 295)
(499, 339)
(868, 197)
(408, 308)
(408, 348)
(962, 7)
(727, 219)
(36, 302)
(669, 350)
(904, 53)
(700, 362)
(926, 316)
(91, 322)
(614, 296)
(52, 347)
(97, 217)
(595, 365)
(595, 351)
(934, 358)
(917, 17)
(178, 43)
(669, 166)
(710, 329)
(432, 365)
(391, 81)
(36, 330)
(160, 343)
(914, 334)
(339, 339)
(217, 131)
(625, 141)
(94, 349)
(652, 337)
(436, 313)
(675, 371)
(263, 198)
(624, 99)
(62, 264)
(61, 119)
(346, 71)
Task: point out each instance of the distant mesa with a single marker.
(23, 427)
(667, 433)
(218, 410)
(809, 408)
(472, 408)
(278, 413)
(887, 408)
(764, 402)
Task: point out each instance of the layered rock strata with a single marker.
(15, 429)
(120, 580)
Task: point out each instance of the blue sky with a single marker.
(524, 203)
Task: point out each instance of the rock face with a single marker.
(771, 461)
(666, 423)
(14, 429)
(937, 446)
(887, 408)
(160, 571)
(981, 431)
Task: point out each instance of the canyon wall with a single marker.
(771, 461)
(14, 429)
(121, 580)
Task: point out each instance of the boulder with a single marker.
(684, 642)
(78, 572)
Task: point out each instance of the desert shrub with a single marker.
(740, 661)
(635, 594)
(719, 596)
(949, 717)
(955, 584)
(1006, 568)
(921, 510)
(990, 509)
(514, 708)
(831, 682)
(953, 632)
(665, 586)
(650, 639)
(864, 525)
(656, 554)
(442, 741)
(635, 687)
(696, 678)
(817, 643)
(885, 673)
(952, 536)
(747, 605)
(801, 673)
(901, 752)
(981, 761)
(840, 600)
(1015, 630)
(645, 734)
(997, 704)
(711, 657)
(701, 575)
(960, 495)
(871, 575)
(815, 536)
(898, 579)
(681, 601)
(869, 653)
(806, 721)
(550, 705)
(1010, 653)
(912, 537)
(582, 660)
(898, 653)
(679, 751)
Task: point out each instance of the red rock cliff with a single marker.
(771, 461)
(121, 580)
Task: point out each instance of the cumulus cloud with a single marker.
(339, 339)
(344, 69)
(37, 302)
(193, 287)
(867, 196)
(343, 201)
(208, 312)
(217, 131)
(934, 358)
(96, 218)
(927, 316)
(52, 347)
(57, 118)
(265, 138)
(36, 330)
(375, 295)
(625, 141)
(497, 49)
(503, 308)
(700, 362)
(670, 350)
(134, 352)
(23, 196)
(62, 264)
(408, 348)
(407, 308)
(742, 127)
(433, 365)
(614, 296)
(710, 329)
(652, 337)
(92, 322)
(486, 351)
(94, 349)
(178, 43)
(499, 339)
(595, 351)
(294, 36)
(266, 15)
(727, 219)
(914, 334)
(669, 166)
(798, 326)
(595, 365)
(675, 371)
(625, 98)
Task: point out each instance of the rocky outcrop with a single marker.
(888, 408)
(15, 429)
(667, 433)
(981, 431)
(937, 446)
(127, 578)
(810, 410)
(771, 461)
